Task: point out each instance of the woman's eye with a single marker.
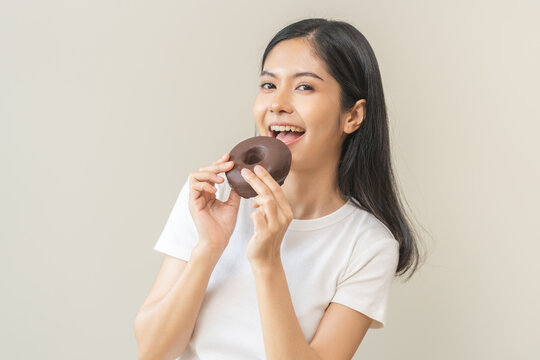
(307, 87)
(263, 85)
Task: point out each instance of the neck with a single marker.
(313, 193)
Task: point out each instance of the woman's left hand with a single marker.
(271, 219)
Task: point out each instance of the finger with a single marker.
(270, 208)
(274, 187)
(206, 176)
(259, 220)
(219, 167)
(265, 198)
(222, 159)
(199, 188)
(257, 184)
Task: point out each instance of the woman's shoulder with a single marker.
(369, 228)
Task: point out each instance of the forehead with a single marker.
(294, 55)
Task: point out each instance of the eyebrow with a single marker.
(303, 73)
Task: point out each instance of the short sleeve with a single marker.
(179, 236)
(366, 283)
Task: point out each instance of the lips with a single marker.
(286, 132)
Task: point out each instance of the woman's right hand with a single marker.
(215, 220)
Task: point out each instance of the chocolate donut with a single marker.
(269, 152)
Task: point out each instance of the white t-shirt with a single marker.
(348, 257)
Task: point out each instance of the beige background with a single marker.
(106, 106)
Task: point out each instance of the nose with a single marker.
(280, 102)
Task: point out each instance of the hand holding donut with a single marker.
(214, 219)
(271, 219)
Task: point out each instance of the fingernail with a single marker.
(258, 169)
(245, 172)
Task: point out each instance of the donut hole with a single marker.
(254, 155)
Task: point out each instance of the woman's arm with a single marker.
(283, 337)
(163, 326)
(338, 336)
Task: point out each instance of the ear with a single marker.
(355, 116)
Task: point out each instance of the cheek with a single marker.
(323, 129)
(319, 116)
(258, 116)
(258, 107)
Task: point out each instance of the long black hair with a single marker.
(365, 172)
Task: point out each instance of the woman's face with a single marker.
(296, 89)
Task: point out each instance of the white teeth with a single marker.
(286, 128)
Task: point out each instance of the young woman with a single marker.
(302, 270)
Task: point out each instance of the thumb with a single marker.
(233, 200)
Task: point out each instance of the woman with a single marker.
(309, 271)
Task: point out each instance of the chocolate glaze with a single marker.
(269, 152)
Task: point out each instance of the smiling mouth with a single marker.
(287, 137)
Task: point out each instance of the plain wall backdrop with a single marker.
(107, 106)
